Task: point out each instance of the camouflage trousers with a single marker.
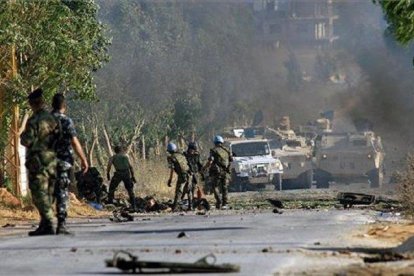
(129, 186)
(220, 184)
(182, 186)
(61, 193)
(41, 187)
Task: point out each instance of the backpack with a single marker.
(180, 163)
(221, 157)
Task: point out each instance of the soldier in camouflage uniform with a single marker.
(219, 164)
(123, 172)
(39, 137)
(178, 164)
(67, 143)
(193, 160)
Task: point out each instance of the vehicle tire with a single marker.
(237, 184)
(376, 178)
(277, 182)
(322, 179)
(305, 180)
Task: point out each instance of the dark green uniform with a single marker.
(178, 163)
(122, 173)
(39, 137)
(195, 165)
(220, 173)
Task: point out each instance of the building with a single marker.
(295, 23)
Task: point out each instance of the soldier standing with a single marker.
(193, 160)
(39, 137)
(219, 163)
(67, 143)
(178, 164)
(123, 172)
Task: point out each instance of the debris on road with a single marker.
(182, 235)
(8, 225)
(277, 211)
(350, 199)
(121, 215)
(130, 264)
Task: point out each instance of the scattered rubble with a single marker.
(182, 235)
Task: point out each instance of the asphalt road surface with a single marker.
(262, 243)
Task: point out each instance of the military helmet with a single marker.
(218, 140)
(193, 146)
(171, 147)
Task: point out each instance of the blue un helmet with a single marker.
(171, 148)
(218, 140)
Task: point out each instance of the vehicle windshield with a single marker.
(250, 149)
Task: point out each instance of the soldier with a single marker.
(178, 164)
(39, 137)
(90, 185)
(193, 160)
(219, 164)
(67, 143)
(123, 172)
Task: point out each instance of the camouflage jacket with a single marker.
(64, 150)
(39, 137)
(221, 158)
(178, 163)
(194, 161)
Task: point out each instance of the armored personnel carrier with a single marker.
(349, 157)
(295, 154)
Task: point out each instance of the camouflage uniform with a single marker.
(90, 185)
(179, 164)
(64, 153)
(220, 173)
(39, 137)
(122, 173)
(195, 165)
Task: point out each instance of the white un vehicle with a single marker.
(253, 166)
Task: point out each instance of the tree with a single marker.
(59, 44)
(400, 17)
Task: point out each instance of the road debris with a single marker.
(9, 225)
(121, 215)
(277, 211)
(276, 203)
(129, 263)
(182, 235)
(350, 199)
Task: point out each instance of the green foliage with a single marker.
(58, 44)
(400, 17)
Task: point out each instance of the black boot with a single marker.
(45, 228)
(61, 228)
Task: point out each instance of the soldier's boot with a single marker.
(133, 204)
(45, 228)
(61, 227)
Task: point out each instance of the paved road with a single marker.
(234, 238)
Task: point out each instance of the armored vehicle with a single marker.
(253, 165)
(295, 155)
(349, 157)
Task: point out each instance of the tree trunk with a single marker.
(108, 141)
(143, 152)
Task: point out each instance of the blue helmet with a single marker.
(218, 140)
(172, 147)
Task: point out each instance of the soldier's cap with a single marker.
(35, 94)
